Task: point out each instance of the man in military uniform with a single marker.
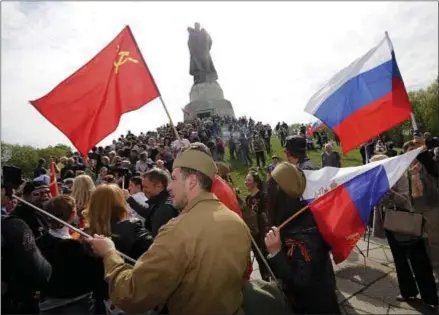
(295, 150)
(197, 260)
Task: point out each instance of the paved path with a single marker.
(369, 285)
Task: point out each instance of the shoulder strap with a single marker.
(409, 177)
(43, 226)
(259, 252)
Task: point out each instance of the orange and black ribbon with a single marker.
(292, 244)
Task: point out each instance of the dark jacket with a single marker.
(304, 264)
(130, 238)
(430, 165)
(257, 203)
(258, 145)
(72, 263)
(426, 158)
(332, 159)
(157, 211)
(306, 164)
(39, 171)
(24, 269)
(35, 220)
(64, 170)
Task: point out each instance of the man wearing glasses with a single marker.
(37, 193)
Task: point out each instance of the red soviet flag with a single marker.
(87, 106)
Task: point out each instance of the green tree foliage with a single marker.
(26, 157)
(426, 111)
(424, 103)
(295, 126)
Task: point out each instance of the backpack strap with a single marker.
(43, 226)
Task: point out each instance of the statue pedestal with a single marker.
(207, 99)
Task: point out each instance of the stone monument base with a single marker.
(203, 109)
(207, 99)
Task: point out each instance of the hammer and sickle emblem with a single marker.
(124, 56)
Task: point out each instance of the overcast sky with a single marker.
(270, 57)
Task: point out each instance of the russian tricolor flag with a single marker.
(315, 126)
(365, 99)
(343, 198)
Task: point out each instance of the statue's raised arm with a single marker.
(201, 64)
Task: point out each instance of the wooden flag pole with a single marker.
(414, 124)
(170, 119)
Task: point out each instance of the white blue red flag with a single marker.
(341, 199)
(364, 99)
(314, 127)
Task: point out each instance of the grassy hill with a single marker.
(239, 170)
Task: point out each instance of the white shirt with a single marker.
(62, 233)
(177, 146)
(141, 166)
(140, 198)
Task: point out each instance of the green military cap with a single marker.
(196, 160)
(290, 179)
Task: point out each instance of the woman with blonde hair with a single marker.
(82, 189)
(107, 215)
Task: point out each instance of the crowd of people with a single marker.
(170, 205)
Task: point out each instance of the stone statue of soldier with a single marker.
(201, 64)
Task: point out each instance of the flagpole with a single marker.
(293, 216)
(369, 231)
(169, 117)
(270, 271)
(68, 225)
(414, 124)
(412, 116)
